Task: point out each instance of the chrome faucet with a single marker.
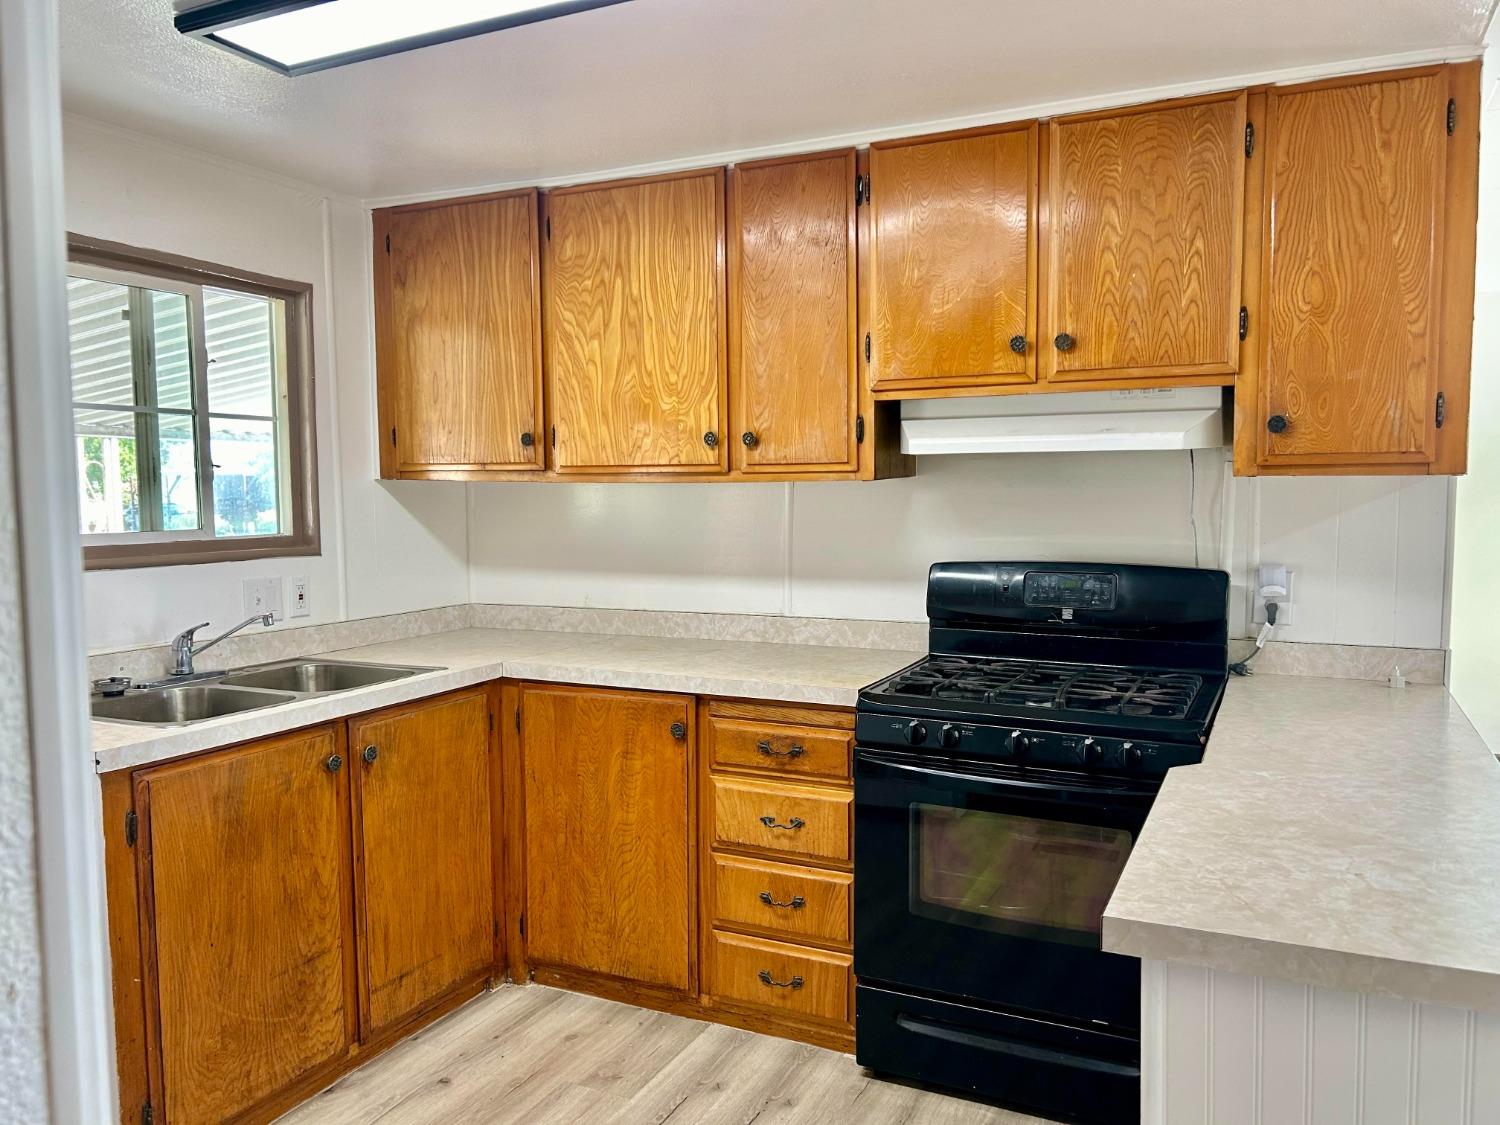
(183, 648)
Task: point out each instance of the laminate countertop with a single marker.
(1338, 833)
(826, 674)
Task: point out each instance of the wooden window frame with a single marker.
(302, 535)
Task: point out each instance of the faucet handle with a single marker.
(187, 634)
(112, 686)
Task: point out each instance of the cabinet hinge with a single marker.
(492, 722)
(393, 435)
(521, 923)
(867, 347)
(1452, 115)
(549, 228)
(518, 720)
(387, 244)
(554, 437)
(131, 822)
(861, 190)
(1442, 409)
(859, 429)
(1244, 322)
(1249, 137)
(148, 1115)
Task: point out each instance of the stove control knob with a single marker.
(916, 733)
(1131, 754)
(948, 736)
(1093, 753)
(1019, 744)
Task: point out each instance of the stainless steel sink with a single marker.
(174, 706)
(214, 695)
(316, 677)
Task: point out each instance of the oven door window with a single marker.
(1020, 876)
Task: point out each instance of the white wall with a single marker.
(385, 548)
(1369, 553)
(1476, 556)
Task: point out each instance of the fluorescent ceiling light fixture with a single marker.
(300, 36)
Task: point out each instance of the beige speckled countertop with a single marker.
(1337, 833)
(746, 669)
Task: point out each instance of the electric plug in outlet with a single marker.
(299, 607)
(1280, 576)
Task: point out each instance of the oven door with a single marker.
(988, 883)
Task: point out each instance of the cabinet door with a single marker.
(1145, 218)
(425, 887)
(793, 365)
(635, 325)
(1355, 187)
(246, 871)
(953, 260)
(608, 873)
(460, 335)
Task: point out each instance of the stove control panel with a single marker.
(1023, 747)
(1056, 590)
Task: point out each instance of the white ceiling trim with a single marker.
(1457, 53)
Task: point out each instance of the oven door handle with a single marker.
(984, 1042)
(1015, 782)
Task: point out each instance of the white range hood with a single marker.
(1170, 418)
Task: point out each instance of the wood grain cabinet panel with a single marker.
(1145, 211)
(607, 835)
(790, 750)
(791, 979)
(424, 844)
(793, 366)
(953, 260)
(799, 903)
(635, 321)
(245, 862)
(794, 820)
(1354, 215)
(459, 335)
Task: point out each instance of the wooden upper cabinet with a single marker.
(953, 260)
(425, 891)
(459, 335)
(794, 371)
(609, 876)
(245, 862)
(1352, 274)
(635, 321)
(1144, 220)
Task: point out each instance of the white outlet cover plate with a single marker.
(264, 595)
(1284, 614)
(298, 604)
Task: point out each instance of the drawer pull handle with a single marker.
(767, 979)
(797, 902)
(793, 751)
(790, 826)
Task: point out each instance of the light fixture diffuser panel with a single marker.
(300, 36)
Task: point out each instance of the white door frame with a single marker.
(79, 1032)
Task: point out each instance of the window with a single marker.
(192, 410)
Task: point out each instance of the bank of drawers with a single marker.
(777, 899)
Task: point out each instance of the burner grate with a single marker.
(1064, 687)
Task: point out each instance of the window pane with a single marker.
(246, 491)
(108, 478)
(99, 340)
(179, 472)
(172, 350)
(241, 353)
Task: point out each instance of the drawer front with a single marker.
(782, 978)
(798, 902)
(794, 820)
(793, 750)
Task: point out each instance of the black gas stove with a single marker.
(1000, 783)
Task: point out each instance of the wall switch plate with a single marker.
(264, 595)
(298, 605)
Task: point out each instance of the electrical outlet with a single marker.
(1284, 613)
(264, 595)
(299, 606)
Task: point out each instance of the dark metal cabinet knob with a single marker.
(370, 754)
(1018, 344)
(710, 439)
(1063, 342)
(679, 731)
(334, 763)
(527, 440)
(1278, 423)
(749, 438)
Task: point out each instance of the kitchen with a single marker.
(1125, 371)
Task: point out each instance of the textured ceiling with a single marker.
(663, 80)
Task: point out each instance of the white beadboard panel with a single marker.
(1421, 561)
(863, 550)
(1364, 610)
(1298, 520)
(1223, 1048)
(709, 548)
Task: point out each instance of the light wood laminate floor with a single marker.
(541, 1056)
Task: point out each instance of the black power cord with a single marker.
(1242, 667)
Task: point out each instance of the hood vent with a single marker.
(1170, 418)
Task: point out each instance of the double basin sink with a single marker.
(250, 689)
